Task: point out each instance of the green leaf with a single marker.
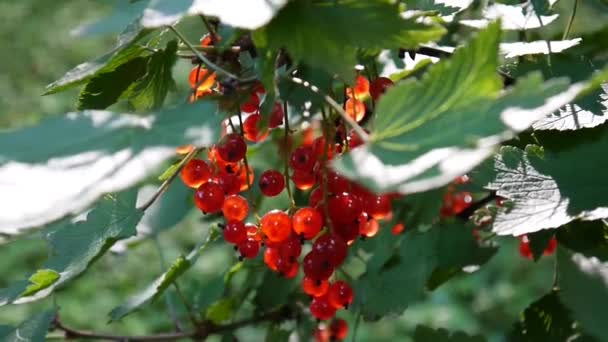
(542, 187)
(329, 40)
(157, 288)
(150, 91)
(169, 172)
(430, 5)
(587, 238)
(539, 241)
(209, 293)
(583, 286)
(222, 310)
(273, 291)
(124, 51)
(276, 334)
(32, 329)
(460, 97)
(547, 319)
(104, 152)
(426, 334)
(541, 7)
(76, 245)
(104, 89)
(512, 17)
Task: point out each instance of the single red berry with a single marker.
(209, 197)
(293, 271)
(368, 226)
(220, 164)
(398, 229)
(337, 184)
(304, 180)
(195, 173)
(242, 174)
(271, 183)
(251, 128)
(355, 109)
(378, 207)
(321, 334)
(321, 309)
(354, 140)
(338, 329)
(271, 256)
(379, 86)
(340, 295)
(524, 248)
(307, 222)
(277, 115)
(360, 90)
(291, 248)
(252, 104)
(464, 179)
(302, 159)
(207, 40)
(249, 248)
(551, 247)
(232, 148)
(198, 74)
(308, 135)
(332, 248)
(230, 183)
(500, 201)
(319, 146)
(253, 232)
(347, 231)
(314, 288)
(344, 208)
(235, 232)
(316, 196)
(276, 225)
(461, 201)
(235, 208)
(317, 267)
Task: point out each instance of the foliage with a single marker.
(525, 121)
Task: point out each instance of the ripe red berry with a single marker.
(271, 256)
(232, 148)
(347, 231)
(398, 229)
(290, 248)
(307, 222)
(321, 334)
(251, 128)
(317, 267)
(321, 309)
(354, 140)
(197, 74)
(235, 208)
(314, 288)
(271, 183)
(360, 90)
(209, 197)
(230, 183)
(252, 104)
(332, 248)
(319, 147)
(276, 225)
(344, 208)
(551, 247)
(253, 232)
(524, 248)
(195, 173)
(249, 248)
(355, 109)
(242, 174)
(461, 201)
(379, 86)
(302, 159)
(235, 232)
(293, 271)
(368, 226)
(276, 117)
(340, 295)
(304, 180)
(378, 207)
(316, 196)
(337, 184)
(338, 329)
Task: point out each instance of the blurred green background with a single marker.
(37, 49)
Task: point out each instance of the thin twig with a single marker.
(324, 185)
(210, 29)
(165, 185)
(466, 213)
(292, 203)
(570, 21)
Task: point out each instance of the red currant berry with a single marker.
(314, 288)
(316, 196)
(252, 104)
(302, 159)
(398, 229)
(251, 128)
(242, 174)
(232, 148)
(379, 87)
(304, 180)
(276, 225)
(368, 226)
(344, 208)
(321, 334)
(271, 256)
(307, 222)
(249, 248)
(524, 248)
(354, 140)
(195, 173)
(209, 197)
(235, 232)
(461, 201)
(198, 74)
(253, 232)
(317, 267)
(360, 90)
(347, 231)
(293, 271)
(271, 183)
(332, 248)
(230, 183)
(378, 207)
(340, 295)
(338, 329)
(551, 247)
(319, 147)
(321, 309)
(464, 179)
(235, 208)
(276, 117)
(355, 109)
(337, 184)
(291, 248)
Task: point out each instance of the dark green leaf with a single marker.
(429, 5)
(150, 91)
(541, 7)
(33, 329)
(539, 241)
(75, 246)
(156, 289)
(547, 319)
(273, 291)
(460, 97)
(583, 286)
(123, 52)
(426, 334)
(330, 40)
(276, 334)
(5, 330)
(94, 152)
(104, 89)
(587, 238)
(210, 292)
(222, 310)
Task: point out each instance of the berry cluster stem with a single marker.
(324, 186)
(292, 203)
